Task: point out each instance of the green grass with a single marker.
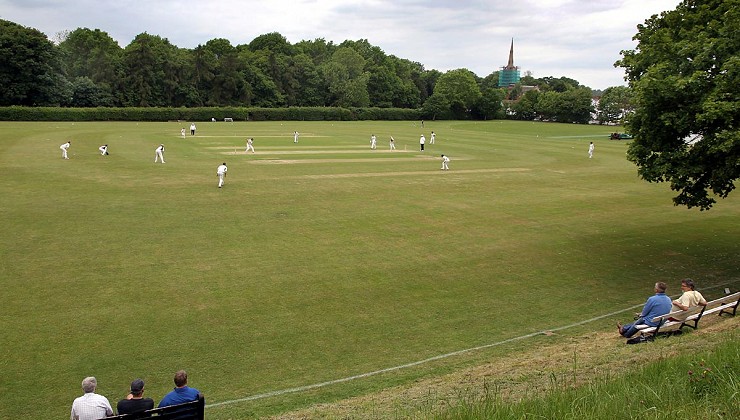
(692, 385)
(322, 260)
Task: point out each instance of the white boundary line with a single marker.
(420, 362)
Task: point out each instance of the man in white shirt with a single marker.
(373, 142)
(295, 137)
(103, 149)
(250, 145)
(90, 406)
(192, 129)
(591, 150)
(393, 143)
(422, 140)
(221, 172)
(64, 148)
(159, 153)
(445, 162)
(431, 140)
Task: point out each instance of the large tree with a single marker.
(615, 103)
(684, 74)
(30, 67)
(460, 90)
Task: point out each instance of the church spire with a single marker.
(511, 56)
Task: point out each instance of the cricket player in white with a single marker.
(103, 149)
(422, 140)
(445, 161)
(295, 137)
(159, 153)
(64, 148)
(221, 172)
(372, 142)
(591, 150)
(249, 145)
(431, 140)
(393, 143)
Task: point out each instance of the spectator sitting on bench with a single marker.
(656, 305)
(135, 402)
(182, 392)
(689, 299)
(90, 406)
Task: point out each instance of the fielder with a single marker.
(249, 145)
(431, 140)
(159, 153)
(103, 150)
(295, 137)
(221, 172)
(445, 162)
(373, 142)
(591, 150)
(64, 148)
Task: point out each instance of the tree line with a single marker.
(87, 68)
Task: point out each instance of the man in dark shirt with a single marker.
(135, 402)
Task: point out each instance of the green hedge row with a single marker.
(18, 113)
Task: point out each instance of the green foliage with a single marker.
(29, 69)
(615, 104)
(16, 113)
(684, 76)
(460, 90)
(89, 69)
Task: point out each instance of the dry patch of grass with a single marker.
(527, 374)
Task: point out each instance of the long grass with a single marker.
(700, 386)
(318, 261)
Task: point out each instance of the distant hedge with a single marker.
(18, 113)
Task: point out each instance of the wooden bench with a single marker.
(194, 410)
(676, 320)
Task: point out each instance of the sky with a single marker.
(579, 39)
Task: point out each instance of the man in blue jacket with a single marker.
(182, 392)
(656, 305)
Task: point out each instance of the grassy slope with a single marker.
(594, 375)
(317, 261)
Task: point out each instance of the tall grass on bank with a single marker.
(698, 386)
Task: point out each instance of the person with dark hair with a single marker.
(135, 401)
(689, 298)
(221, 172)
(159, 153)
(90, 406)
(182, 392)
(103, 150)
(445, 163)
(656, 305)
(64, 148)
